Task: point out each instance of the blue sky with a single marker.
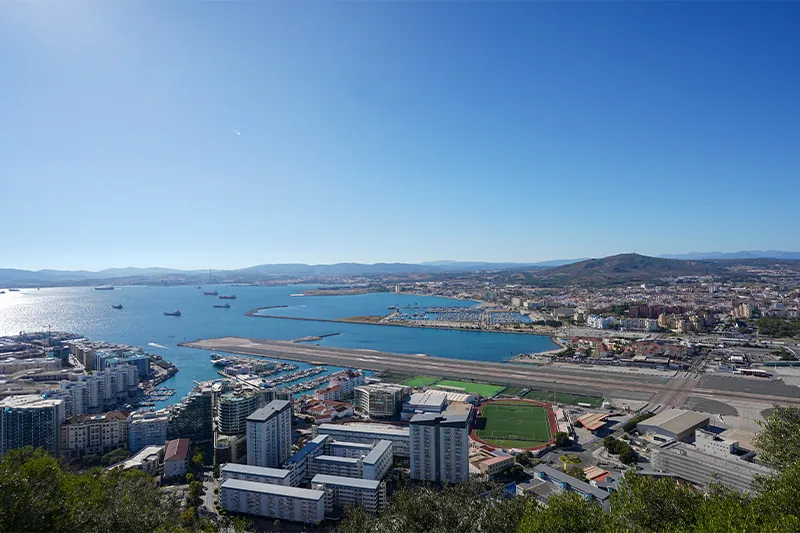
(226, 134)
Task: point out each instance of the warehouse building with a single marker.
(673, 424)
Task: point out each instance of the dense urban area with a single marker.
(670, 404)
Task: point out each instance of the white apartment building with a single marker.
(147, 428)
(341, 448)
(342, 491)
(380, 400)
(439, 447)
(299, 462)
(83, 435)
(273, 501)
(11, 365)
(368, 433)
(376, 464)
(335, 466)
(601, 322)
(257, 474)
(269, 434)
(340, 387)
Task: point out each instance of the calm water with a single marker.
(141, 323)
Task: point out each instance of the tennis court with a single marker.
(514, 424)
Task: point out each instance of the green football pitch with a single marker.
(487, 391)
(514, 425)
(420, 381)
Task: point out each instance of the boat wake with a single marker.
(154, 345)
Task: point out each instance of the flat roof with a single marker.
(337, 459)
(675, 420)
(274, 490)
(572, 482)
(279, 473)
(268, 411)
(310, 447)
(342, 481)
(428, 398)
(377, 451)
(345, 444)
(363, 428)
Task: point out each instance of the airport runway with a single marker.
(592, 381)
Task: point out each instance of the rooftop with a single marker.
(675, 420)
(377, 451)
(383, 429)
(275, 490)
(581, 486)
(268, 411)
(342, 481)
(106, 417)
(428, 399)
(336, 459)
(177, 450)
(234, 468)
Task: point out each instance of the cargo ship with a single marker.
(104, 288)
(231, 297)
(226, 306)
(210, 293)
(172, 313)
(13, 290)
(117, 306)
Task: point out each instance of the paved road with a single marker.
(625, 386)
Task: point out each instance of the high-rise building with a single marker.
(192, 418)
(30, 421)
(439, 447)
(147, 428)
(381, 400)
(83, 435)
(269, 434)
(233, 409)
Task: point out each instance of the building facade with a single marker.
(147, 428)
(343, 491)
(83, 435)
(381, 400)
(273, 501)
(439, 447)
(257, 474)
(31, 421)
(176, 458)
(369, 434)
(269, 434)
(193, 418)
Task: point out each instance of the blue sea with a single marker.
(142, 323)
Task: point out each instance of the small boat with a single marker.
(117, 306)
(226, 306)
(13, 290)
(230, 297)
(104, 288)
(173, 313)
(2, 292)
(297, 295)
(198, 287)
(210, 293)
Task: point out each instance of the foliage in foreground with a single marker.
(642, 505)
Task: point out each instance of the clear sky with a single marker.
(227, 134)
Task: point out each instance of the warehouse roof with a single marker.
(675, 421)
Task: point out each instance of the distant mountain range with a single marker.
(621, 267)
(751, 254)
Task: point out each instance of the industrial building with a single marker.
(269, 434)
(711, 459)
(273, 501)
(672, 424)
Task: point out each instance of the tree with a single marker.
(216, 470)
(643, 503)
(577, 472)
(778, 442)
(195, 496)
(197, 462)
(115, 456)
(562, 439)
(565, 512)
(628, 455)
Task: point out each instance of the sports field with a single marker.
(512, 424)
(563, 397)
(487, 391)
(420, 381)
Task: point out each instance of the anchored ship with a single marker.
(173, 313)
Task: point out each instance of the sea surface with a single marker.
(141, 323)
